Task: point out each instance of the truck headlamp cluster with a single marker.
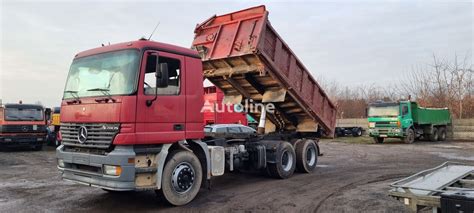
(112, 170)
(371, 124)
(61, 163)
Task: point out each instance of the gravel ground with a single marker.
(351, 177)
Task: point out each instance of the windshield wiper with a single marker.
(12, 117)
(33, 118)
(104, 91)
(74, 95)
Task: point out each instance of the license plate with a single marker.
(383, 136)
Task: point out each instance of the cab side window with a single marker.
(404, 110)
(174, 69)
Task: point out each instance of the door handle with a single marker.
(178, 127)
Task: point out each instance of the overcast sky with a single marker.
(354, 42)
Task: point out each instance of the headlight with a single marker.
(112, 170)
(371, 124)
(61, 163)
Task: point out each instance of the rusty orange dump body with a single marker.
(244, 56)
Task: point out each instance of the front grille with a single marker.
(23, 129)
(99, 135)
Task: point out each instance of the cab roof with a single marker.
(140, 44)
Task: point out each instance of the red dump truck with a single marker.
(218, 113)
(131, 113)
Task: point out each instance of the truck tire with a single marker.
(306, 156)
(285, 164)
(378, 140)
(442, 134)
(357, 132)
(410, 137)
(38, 147)
(434, 136)
(181, 178)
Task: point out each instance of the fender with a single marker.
(202, 152)
(161, 163)
(199, 148)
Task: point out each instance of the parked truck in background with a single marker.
(22, 125)
(408, 121)
(131, 112)
(217, 112)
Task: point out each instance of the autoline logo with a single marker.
(248, 106)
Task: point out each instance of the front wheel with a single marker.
(378, 140)
(357, 132)
(182, 177)
(410, 137)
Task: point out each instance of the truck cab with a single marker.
(135, 93)
(131, 114)
(22, 125)
(407, 121)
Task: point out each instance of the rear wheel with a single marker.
(306, 156)
(285, 164)
(378, 140)
(182, 177)
(434, 135)
(410, 137)
(442, 134)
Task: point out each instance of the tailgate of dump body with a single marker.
(244, 56)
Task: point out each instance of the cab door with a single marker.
(406, 118)
(163, 121)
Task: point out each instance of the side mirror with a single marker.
(47, 114)
(162, 75)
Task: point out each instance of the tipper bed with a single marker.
(244, 56)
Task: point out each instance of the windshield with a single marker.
(114, 72)
(207, 129)
(386, 111)
(25, 114)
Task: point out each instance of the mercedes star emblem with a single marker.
(82, 137)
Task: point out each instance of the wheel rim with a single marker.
(411, 137)
(286, 160)
(183, 178)
(311, 156)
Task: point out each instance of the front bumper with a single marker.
(88, 169)
(386, 132)
(21, 140)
